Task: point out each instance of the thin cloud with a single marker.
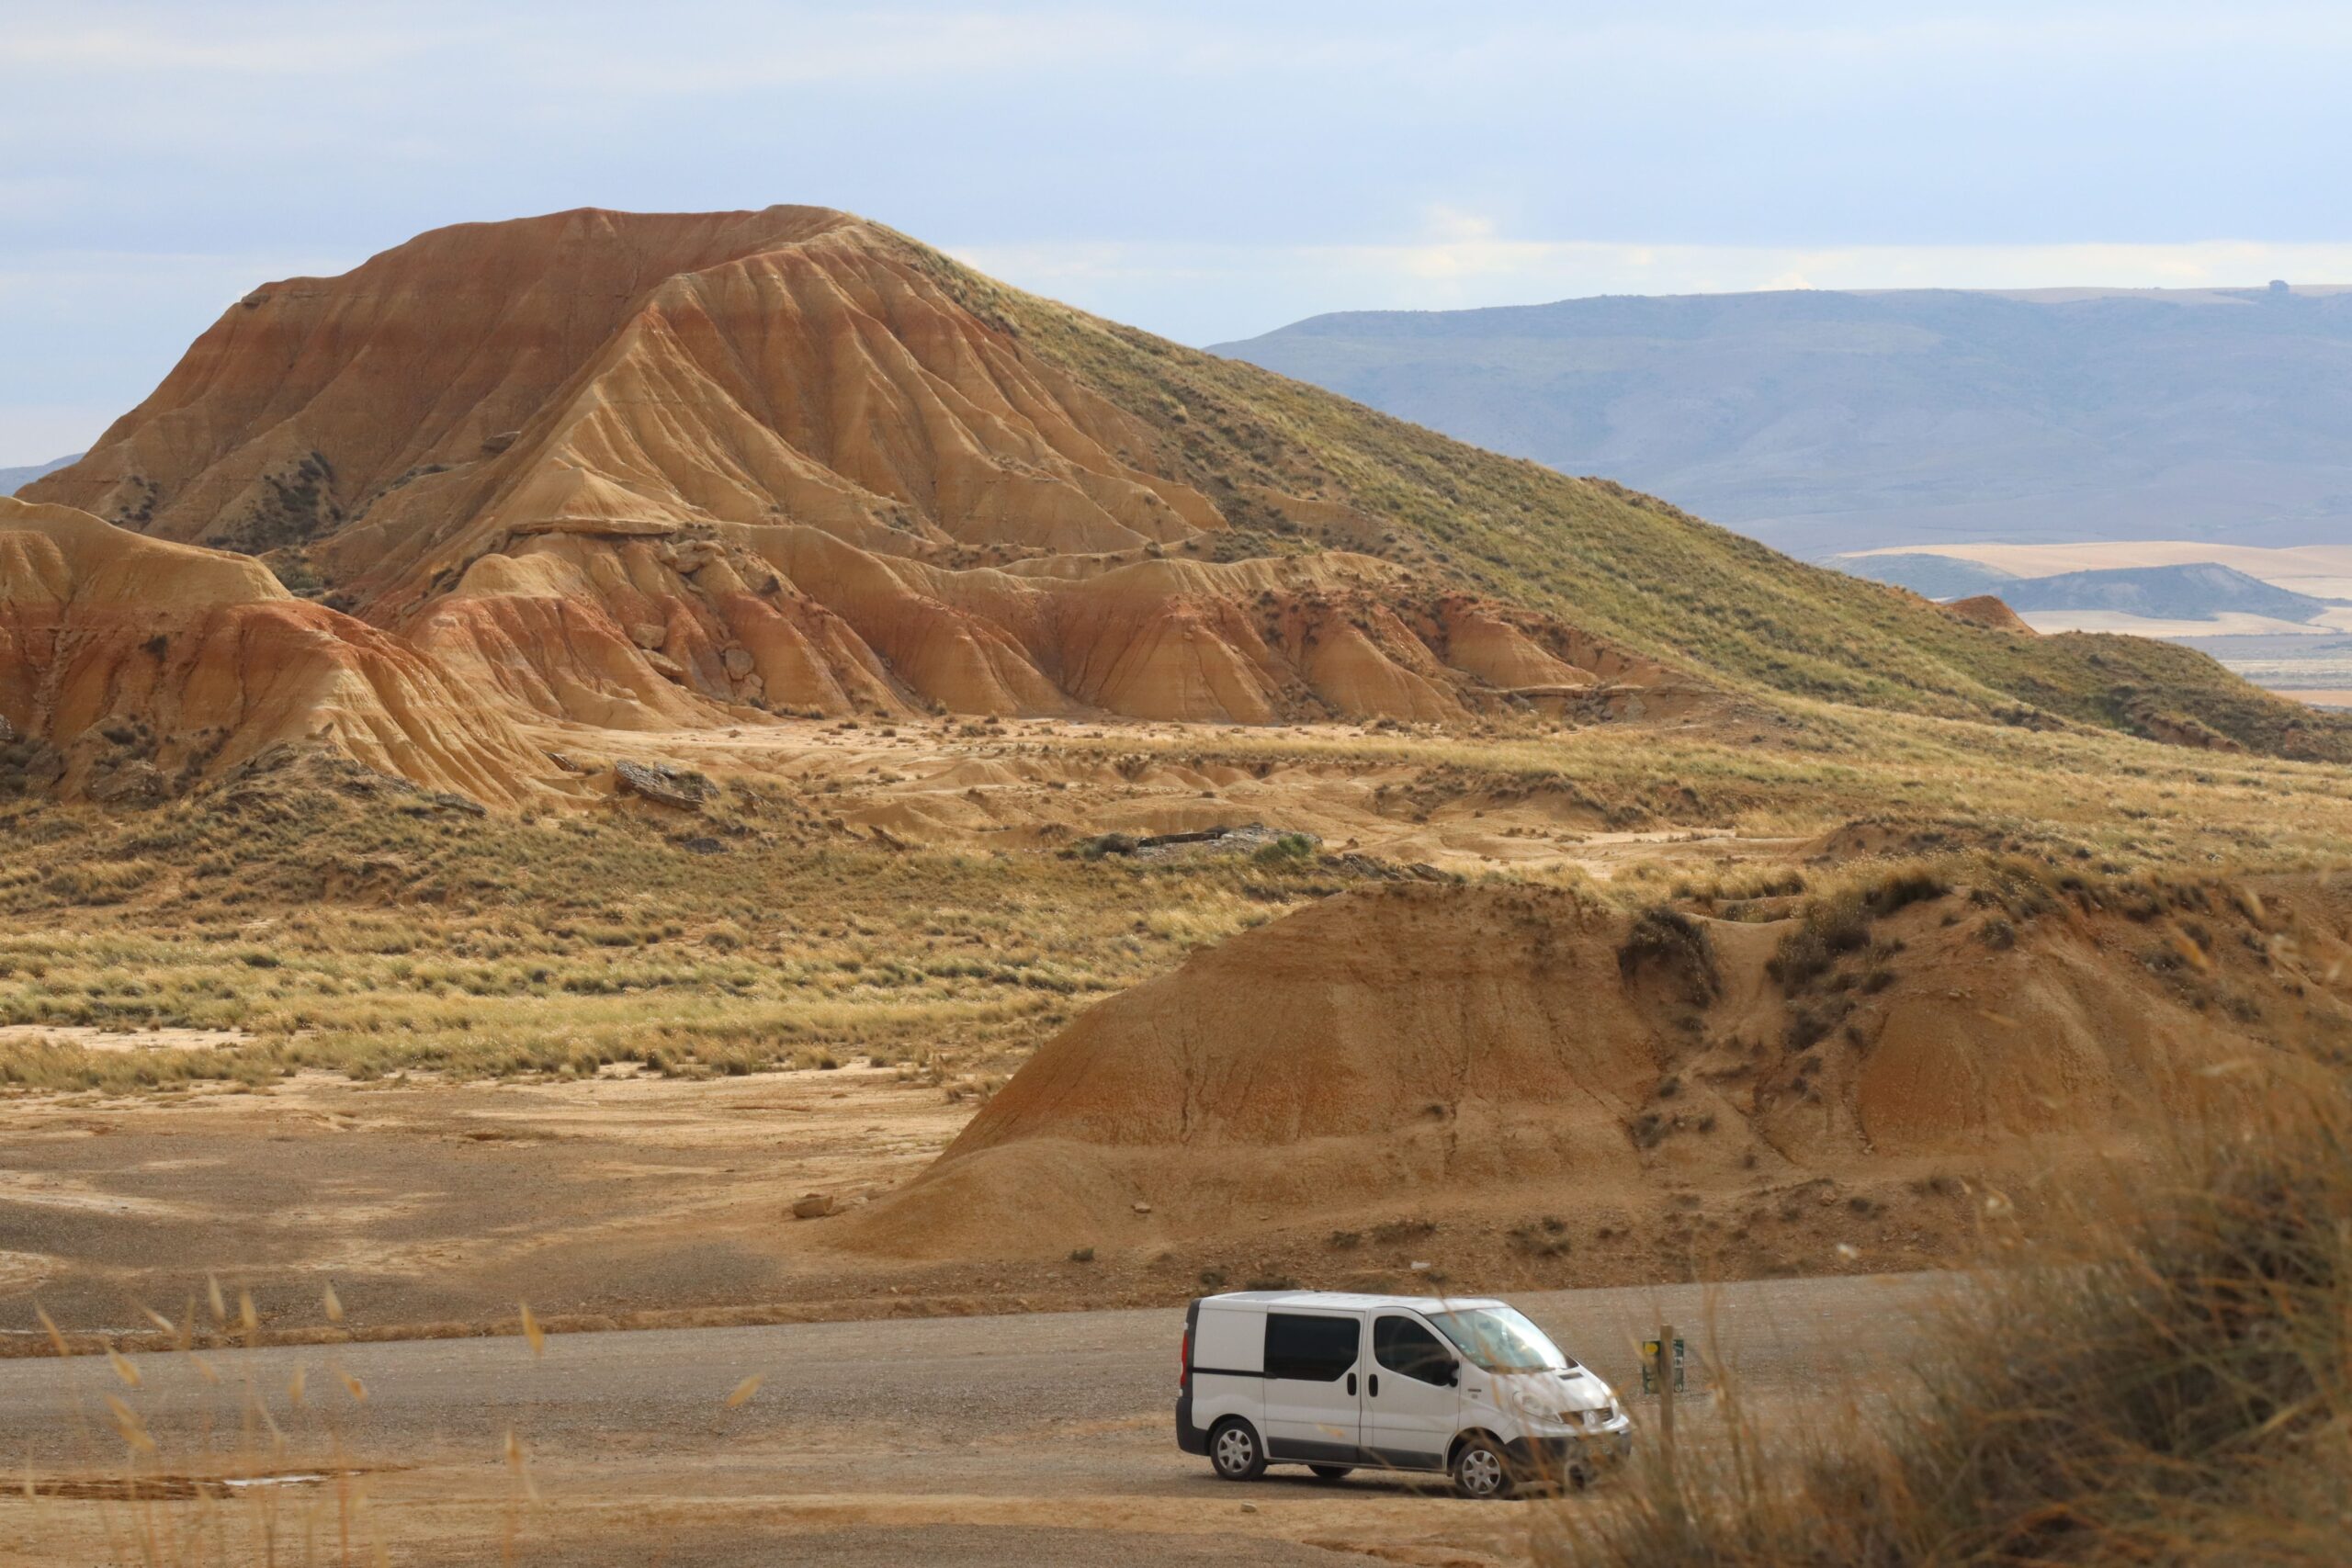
(258, 52)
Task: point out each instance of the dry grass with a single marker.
(2174, 1388)
(189, 1459)
(261, 1474)
(346, 925)
(343, 935)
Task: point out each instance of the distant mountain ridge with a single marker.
(14, 480)
(2165, 594)
(1935, 577)
(1822, 422)
(2198, 590)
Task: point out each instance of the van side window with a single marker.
(1311, 1349)
(1401, 1345)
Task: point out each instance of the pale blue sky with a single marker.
(1207, 171)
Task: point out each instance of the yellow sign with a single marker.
(1649, 1366)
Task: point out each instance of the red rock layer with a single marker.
(118, 650)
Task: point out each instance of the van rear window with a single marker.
(1311, 1349)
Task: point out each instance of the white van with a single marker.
(1467, 1388)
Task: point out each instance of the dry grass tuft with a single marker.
(2173, 1389)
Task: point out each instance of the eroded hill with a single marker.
(654, 472)
(1440, 1054)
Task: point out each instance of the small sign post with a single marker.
(1653, 1359)
(1663, 1378)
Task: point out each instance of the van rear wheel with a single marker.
(1481, 1469)
(1234, 1451)
(1331, 1471)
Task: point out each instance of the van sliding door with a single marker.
(1314, 1386)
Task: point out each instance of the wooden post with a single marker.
(1666, 1390)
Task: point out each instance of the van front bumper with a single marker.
(1558, 1455)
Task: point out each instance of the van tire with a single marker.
(1481, 1468)
(1234, 1451)
(1331, 1471)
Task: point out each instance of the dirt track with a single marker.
(969, 1441)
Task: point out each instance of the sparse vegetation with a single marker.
(334, 933)
(1617, 563)
(2170, 1389)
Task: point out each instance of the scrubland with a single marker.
(335, 921)
(353, 936)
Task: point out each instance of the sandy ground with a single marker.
(423, 1202)
(435, 1209)
(124, 1040)
(1022, 1439)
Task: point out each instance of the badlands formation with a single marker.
(926, 585)
(652, 473)
(655, 473)
(130, 666)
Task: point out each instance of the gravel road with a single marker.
(1032, 1439)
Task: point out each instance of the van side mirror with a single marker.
(1453, 1373)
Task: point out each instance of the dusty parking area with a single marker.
(424, 1200)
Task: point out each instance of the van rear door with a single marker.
(1314, 1386)
(1224, 1346)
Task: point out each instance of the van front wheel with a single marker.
(1481, 1469)
(1234, 1451)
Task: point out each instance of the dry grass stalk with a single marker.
(2173, 1386)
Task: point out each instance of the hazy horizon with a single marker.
(1209, 175)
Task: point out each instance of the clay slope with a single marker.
(1412, 1050)
(644, 471)
(129, 667)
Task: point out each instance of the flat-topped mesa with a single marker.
(130, 667)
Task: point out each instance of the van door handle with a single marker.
(1375, 1385)
(1351, 1382)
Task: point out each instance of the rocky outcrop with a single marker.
(1442, 1046)
(664, 786)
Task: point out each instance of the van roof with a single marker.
(1346, 1301)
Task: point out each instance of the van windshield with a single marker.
(1501, 1340)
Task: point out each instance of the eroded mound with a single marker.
(1416, 1048)
(130, 666)
(1989, 610)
